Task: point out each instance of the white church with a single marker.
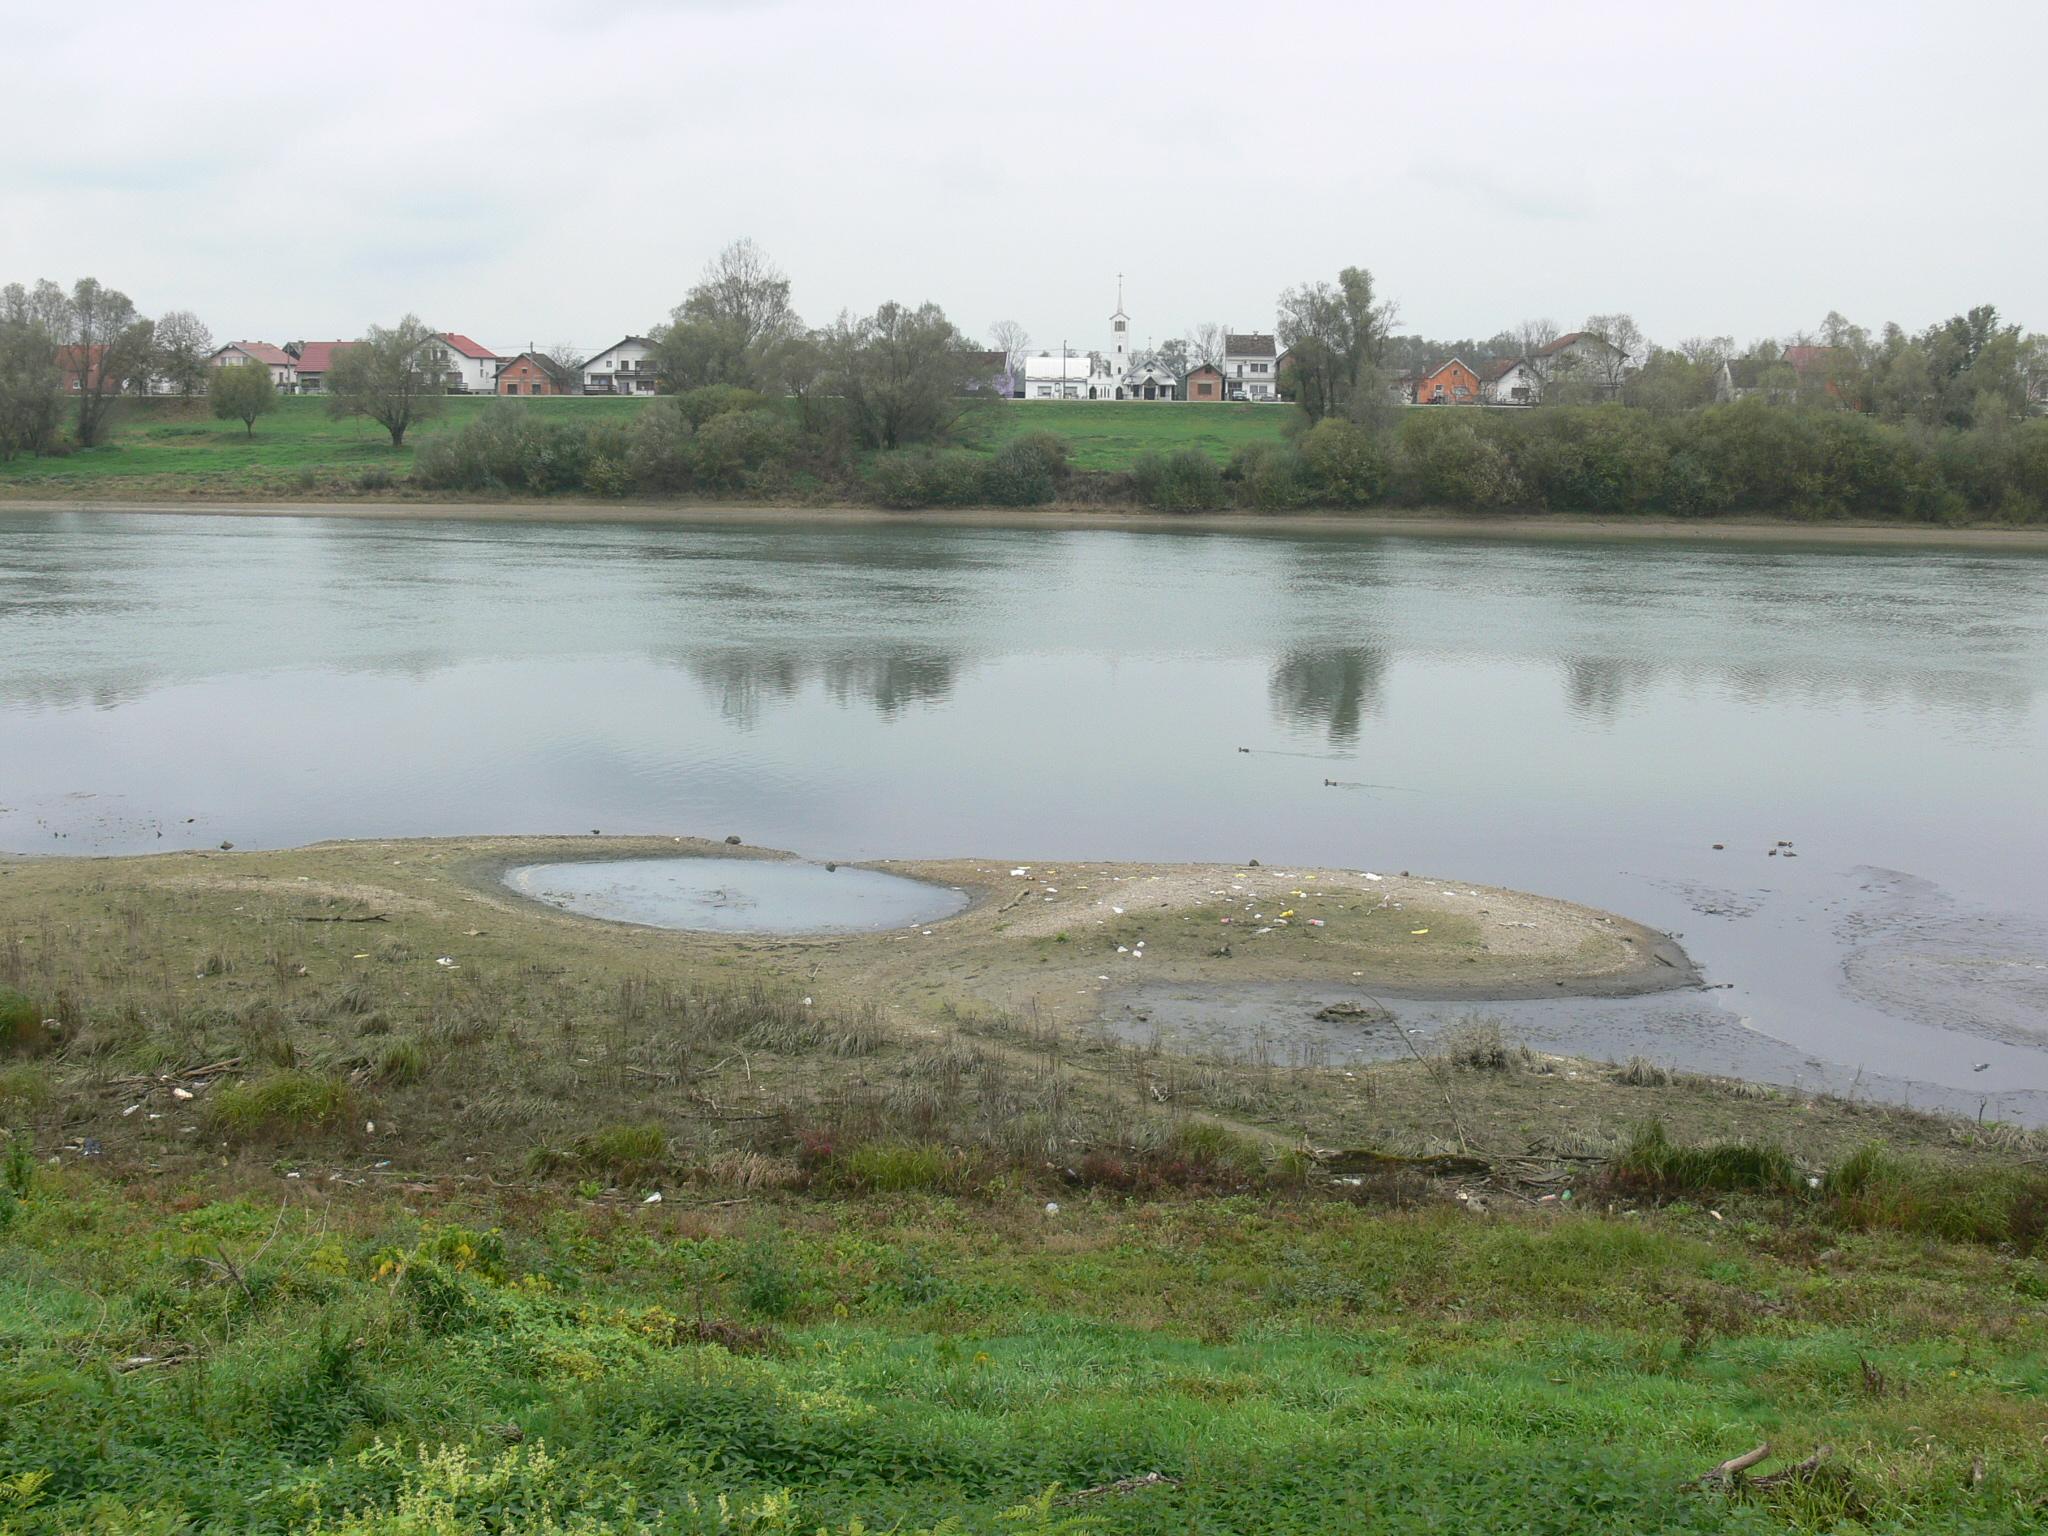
(1066, 375)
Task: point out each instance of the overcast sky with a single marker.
(522, 172)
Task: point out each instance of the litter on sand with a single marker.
(1418, 931)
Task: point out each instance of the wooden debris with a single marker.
(1122, 1485)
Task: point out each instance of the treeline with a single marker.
(1749, 457)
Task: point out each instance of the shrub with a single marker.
(658, 448)
(926, 477)
(1349, 466)
(727, 446)
(697, 406)
(1026, 471)
(281, 1104)
(1271, 477)
(1185, 480)
(1653, 1165)
(508, 447)
(625, 1151)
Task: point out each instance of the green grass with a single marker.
(173, 448)
(1111, 434)
(208, 1360)
(178, 448)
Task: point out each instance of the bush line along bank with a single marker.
(1748, 457)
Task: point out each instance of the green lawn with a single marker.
(300, 1354)
(172, 448)
(1110, 434)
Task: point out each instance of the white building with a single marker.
(1063, 376)
(284, 368)
(469, 367)
(1509, 381)
(1251, 366)
(626, 367)
(1068, 375)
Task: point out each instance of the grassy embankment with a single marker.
(340, 1237)
(170, 449)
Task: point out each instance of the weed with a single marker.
(905, 1167)
(1653, 1166)
(280, 1105)
(21, 1023)
(625, 1151)
(402, 1062)
(1477, 1045)
(24, 1085)
(1875, 1188)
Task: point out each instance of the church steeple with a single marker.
(1120, 335)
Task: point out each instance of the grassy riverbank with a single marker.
(327, 1205)
(170, 449)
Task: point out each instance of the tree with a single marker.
(903, 373)
(1336, 338)
(1205, 344)
(1015, 344)
(1532, 336)
(183, 350)
(242, 392)
(30, 379)
(729, 325)
(568, 359)
(107, 344)
(1626, 345)
(1173, 355)
(385, 377)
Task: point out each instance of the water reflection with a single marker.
(1329, 688)
(745, 683)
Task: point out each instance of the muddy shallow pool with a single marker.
(737, 895)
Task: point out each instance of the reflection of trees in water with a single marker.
(746, 683)
(1599, 685)
(1331, 688)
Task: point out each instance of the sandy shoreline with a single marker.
(1415, 524)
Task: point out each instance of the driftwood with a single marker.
(373, 917)
(183, 1074)
(1363, 1160)
(1122, 1485)
(1729, 1475)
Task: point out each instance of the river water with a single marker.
(1584, 718)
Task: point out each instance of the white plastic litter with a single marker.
(653, 1199)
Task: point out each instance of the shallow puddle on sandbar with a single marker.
(737, 895)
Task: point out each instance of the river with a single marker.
(1582, 718)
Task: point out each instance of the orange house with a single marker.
(1204, 382)
(532, 374)
(1449, 383)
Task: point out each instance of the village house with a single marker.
(1740, 377)
(1249, 363)
(1588, 363)
(1063, 376)
(626, 367)
(312, 360)
(284, 368)
(1449, 383)
(1509, 381)
(534, 373)
(1150, 382)
(79, 367)
(1204, 381)
(469, 367)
